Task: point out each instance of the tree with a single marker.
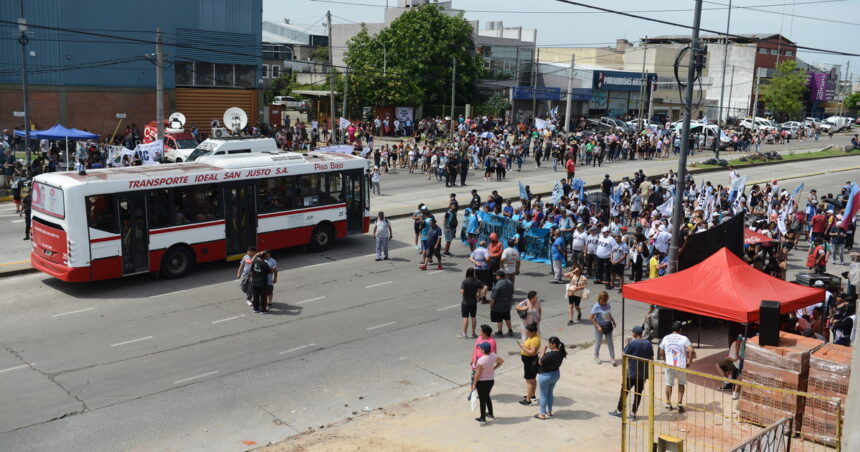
(494, 105)
(852, 102)
(410, 61)
(784, 94)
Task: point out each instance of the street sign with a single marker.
(120, 116)
(18, 114)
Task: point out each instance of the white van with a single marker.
(233, 146)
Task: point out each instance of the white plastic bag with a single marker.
(473, 400)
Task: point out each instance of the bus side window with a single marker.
(335, 188)
(194, 204)
(159, 208)
(101, 213)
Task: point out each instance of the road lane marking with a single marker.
(378, 284)
(17, 221)
(168, 293)
(310, 300)
(14, 263)
(118, 344)
(10, 369)
(186, 380)
(380, 326)
(435, 272)
(72, 312)
(227, 319)
(448, 307)
(316, 265)
(301, 347)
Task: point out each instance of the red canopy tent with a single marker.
(722, 286)
(751, 237)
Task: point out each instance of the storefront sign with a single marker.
(619, 80)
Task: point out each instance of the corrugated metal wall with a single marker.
(231, 25)
(201, 105)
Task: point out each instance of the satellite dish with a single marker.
(235, 119)
(176, 120)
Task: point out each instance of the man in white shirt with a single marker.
(578, 244)
(383, 233)
(510, 262)
(590, 249)
(605, 244)
(661, 239)
(678, 352)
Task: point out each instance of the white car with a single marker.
(758, 124)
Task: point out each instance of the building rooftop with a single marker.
(736, 38)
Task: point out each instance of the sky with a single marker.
(823, 24)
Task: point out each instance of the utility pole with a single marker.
(650, 93)
(344, 111)
(717, 142)
(678, 207)
(159, 87)
(568, 109)
(23, 40)
(534, 84)
(453, 92)
(731, 88)
(754, 106)
(642, 89)
(330, 74)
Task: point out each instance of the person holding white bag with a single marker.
(484, 379)
(576, 291)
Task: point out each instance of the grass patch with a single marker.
(790, 156)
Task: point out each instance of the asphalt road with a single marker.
(147, 364)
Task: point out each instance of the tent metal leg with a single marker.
(699, 334)
(623, 310)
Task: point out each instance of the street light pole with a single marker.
(23, 40)
(453, 92)
(717, 142)
(678, 207)
(330, 75)
(568, 109)
(159, 88)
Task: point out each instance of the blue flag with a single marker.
(797, 191)
(523, 193)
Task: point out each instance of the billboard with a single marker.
(542, 93)
(619, 80)
(822, 86)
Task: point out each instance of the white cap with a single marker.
(605, 229)
(662, 228)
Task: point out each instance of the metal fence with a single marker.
(720, 414)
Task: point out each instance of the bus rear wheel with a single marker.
(321, 237)
(177, 262)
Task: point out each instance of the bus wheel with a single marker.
(321, 237)
(177, 161)
(177, 262)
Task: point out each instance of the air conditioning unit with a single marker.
(220, 132)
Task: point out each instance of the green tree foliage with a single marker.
(784, 94)
(494, 105)
(852, 102)
(410, 62)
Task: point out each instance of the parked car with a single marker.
(792, 127)
(303, 106)
(616, 125)
(289, 102)
(758, 124)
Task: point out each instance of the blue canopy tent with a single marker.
(61, 132)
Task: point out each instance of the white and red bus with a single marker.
(115, 222)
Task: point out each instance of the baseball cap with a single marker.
(484, 346)
(676, 326)
(638, 330)
(605, 229)
(453, 195)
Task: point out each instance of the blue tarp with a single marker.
(59, 132)
(535, 242)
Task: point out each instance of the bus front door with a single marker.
(240, 219)
(134, 233)
(354, 187)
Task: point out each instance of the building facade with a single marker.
(211, 61)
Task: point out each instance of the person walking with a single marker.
(549, 362)
(383, 233)
(485, 336)
(601, 318)
(530, 311)
(576, 285)
(375, 181)
(451, 223)
(678, 352)
(637, 371)
(271, 280)
(501, 298)
(471, 288)
(243, 273)
(529, 349)
(26, 207)
(485, 370)
(557, 254)
(434, 246)
(259, 279)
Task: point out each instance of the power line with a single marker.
(690, 27)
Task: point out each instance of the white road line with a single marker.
(186, 380)
(10, 369)
(310, 300)
(302, 347)
(132, 341)
(448, 307)
(378, 284)
(316, 265)
(435, 272)
(72, 312)
(17, 221)
(168, 293)
(381, 326)
(227, 319)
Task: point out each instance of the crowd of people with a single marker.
(598, 247)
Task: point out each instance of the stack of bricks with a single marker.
(829, 372)
(785, 366)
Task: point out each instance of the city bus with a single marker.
(115, 222)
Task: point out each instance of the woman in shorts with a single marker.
(575, 289)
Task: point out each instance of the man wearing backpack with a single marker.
(383, 233)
